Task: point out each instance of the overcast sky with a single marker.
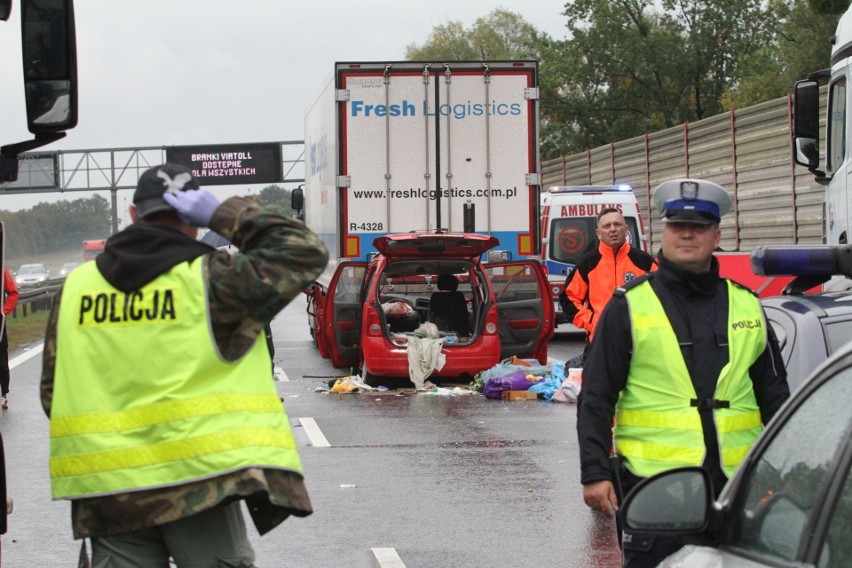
(184, 72)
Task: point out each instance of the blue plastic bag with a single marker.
(549, 386)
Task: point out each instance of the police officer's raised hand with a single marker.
(194, 207)
(600, 495)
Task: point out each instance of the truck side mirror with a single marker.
(806, 124)
(50, 65)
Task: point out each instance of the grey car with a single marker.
(790, 502)
(31, 276)
(809, 328)
(68, 267)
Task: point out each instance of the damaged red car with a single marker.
(484, 311)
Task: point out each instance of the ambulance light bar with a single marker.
(588, 188)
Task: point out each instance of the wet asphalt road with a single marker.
(407, 480)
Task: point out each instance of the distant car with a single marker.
(32, 276)
(68, 267)
(790, 502)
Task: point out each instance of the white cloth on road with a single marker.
(424, 356)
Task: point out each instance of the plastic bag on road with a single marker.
(352, 383)
(548, 387)
(503, 369)
(569, 390)
(518, 380)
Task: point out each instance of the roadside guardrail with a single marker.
(32, 300)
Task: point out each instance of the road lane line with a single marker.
(280, 375)
(314, 433)
(26, 356)
(388, 558)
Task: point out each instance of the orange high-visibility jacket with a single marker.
(590, 284)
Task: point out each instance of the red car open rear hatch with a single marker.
(439, 244)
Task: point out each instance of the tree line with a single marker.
(630, 67)
(64, 225)
(52, 227)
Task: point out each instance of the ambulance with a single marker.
(568, 222)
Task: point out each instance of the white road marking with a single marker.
(314, 433)
(26, 356)
(280, 375)
(388, 558)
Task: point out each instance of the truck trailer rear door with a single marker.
(427, 146)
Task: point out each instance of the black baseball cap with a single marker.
(158, 180)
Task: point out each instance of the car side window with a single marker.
(349, 285)
(775, 505)
(514, 282)
(837, 549)
(836, 125)
(838, 333)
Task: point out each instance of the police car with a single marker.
(809, 326)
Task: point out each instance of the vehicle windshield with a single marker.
(32, 269)
(786, 482)
(572, 237)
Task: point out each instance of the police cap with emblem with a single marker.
(169, 177)
(691, 201)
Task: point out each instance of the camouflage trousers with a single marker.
(215, 538)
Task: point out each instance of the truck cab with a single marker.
(806, 135)
(49, 52)
(50, 76)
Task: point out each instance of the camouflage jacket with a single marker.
(279, 257)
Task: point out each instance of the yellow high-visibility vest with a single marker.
(142, 397)
(657, 425)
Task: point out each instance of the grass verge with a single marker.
(26, 330)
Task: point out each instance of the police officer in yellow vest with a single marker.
(685, 363)
(156, 378)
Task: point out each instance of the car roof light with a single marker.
(624, 187)
(802, 260)
(794, 261)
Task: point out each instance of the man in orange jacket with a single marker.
(596, 275)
